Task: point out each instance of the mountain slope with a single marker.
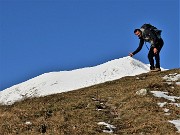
(57, 82)
(144, 104)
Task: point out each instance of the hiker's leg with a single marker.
(150, 57)
(160, 45)
(157, 56)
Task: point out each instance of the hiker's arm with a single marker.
(139, 47)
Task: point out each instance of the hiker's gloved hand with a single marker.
(130, 54)
(155, 50)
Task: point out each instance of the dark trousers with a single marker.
(151, 55)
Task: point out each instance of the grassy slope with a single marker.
(75, 112)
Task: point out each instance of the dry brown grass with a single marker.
(75, 112)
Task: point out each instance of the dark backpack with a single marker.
(151, 28)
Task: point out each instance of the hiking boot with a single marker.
(155, 70)
(152, 67)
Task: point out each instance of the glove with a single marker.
(130, 54)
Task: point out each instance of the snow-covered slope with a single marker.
(57, 82)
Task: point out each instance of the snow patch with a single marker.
(162, 104)
(172, 77)
(163, 95)
(176, 123)
(109, 127)
(28, 123)
(166, 110)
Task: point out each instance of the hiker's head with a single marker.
(138, 32)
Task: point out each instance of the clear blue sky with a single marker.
(39, 36)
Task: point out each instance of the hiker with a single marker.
(154, 38)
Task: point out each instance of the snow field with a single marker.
(63, 81)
